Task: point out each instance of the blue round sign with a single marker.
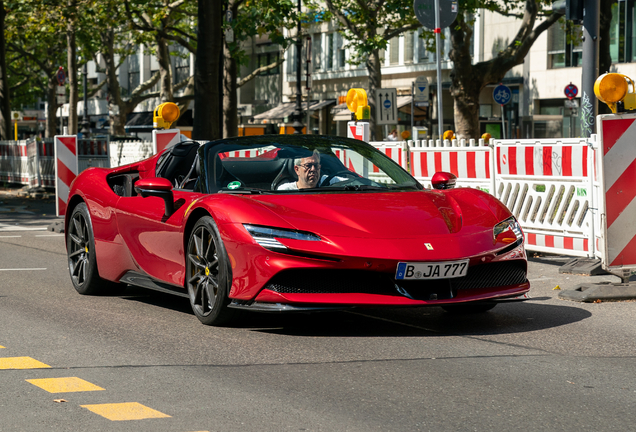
(387, 104)
(502, 94)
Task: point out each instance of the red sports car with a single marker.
(290, 223)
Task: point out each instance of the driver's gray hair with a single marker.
(316, 155)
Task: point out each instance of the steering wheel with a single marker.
(345, 173)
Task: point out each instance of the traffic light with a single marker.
(574, 11)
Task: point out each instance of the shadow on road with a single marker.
(383, 322)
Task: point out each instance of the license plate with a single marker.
(432, 270)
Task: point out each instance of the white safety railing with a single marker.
(547, 185)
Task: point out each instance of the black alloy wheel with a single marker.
(209, 274)
(80, 249)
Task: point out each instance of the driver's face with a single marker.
(308, 172)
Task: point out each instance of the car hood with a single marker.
(391, 215)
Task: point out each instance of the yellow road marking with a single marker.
(124, 411)
(1, 346)
(21, 363)
(64, 385)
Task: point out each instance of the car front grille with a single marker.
(320, 281)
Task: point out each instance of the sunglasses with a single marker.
(309, 166)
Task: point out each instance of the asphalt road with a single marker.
(546, 364)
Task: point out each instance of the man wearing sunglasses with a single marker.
(308, 172)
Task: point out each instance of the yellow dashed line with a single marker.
(125, 411)
(64, 385)
(21, 363)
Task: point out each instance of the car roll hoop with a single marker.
(159, 187)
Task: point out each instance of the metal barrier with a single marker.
(127, 152)
(93, 152)
(395, 150)
(14, 162)
(547, 185)
(471, 163)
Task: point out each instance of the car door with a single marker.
(154, 240)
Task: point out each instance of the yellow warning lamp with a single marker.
(448, 135)
(165, 114)
(611, 88)
(486, 137)
(357, 103)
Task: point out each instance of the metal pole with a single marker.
(298, 112)
(503, 122)
(438, 42)
(86, 126)
(412, 109)
(590, 66)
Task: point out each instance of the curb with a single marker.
(601, 291)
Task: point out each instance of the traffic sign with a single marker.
(502, 94)
(61, 76)
(386, 106)
(571, 91)
(421, 89)
(425, 12)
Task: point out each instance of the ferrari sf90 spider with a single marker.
(290, 223)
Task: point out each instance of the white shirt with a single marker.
(294, 186)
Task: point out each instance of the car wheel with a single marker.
(209, 274)
(82, 263)
(470, 308)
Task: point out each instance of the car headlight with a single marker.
(267, 236)
(503, 227)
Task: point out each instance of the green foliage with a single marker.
(258, 18)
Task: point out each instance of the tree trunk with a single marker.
(72, 70)
(230, 100)
(5, 106)
(207, 98)
(165, 70)
(51, 110)
(117, 114)
(374, 69)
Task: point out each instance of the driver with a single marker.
(308, 172)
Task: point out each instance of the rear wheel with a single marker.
(80, 249)
(469, 308)
(209, 274)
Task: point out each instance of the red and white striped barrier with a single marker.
(617, 174)
(66, 169)
(162, 139)
(14, 162)
(473, 166)
(548, 186)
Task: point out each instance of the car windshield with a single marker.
(300, 164)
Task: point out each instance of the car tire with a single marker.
(208, 274)
(80, 250)
(470, 308)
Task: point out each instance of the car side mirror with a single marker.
(159, 187)
(443, 180)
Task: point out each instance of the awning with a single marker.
(322, 104)
(279, 112)
(341, 112)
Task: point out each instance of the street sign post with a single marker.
(421, 89)
(502, 95)
(61, 76)
(386, 103)
(436, 15)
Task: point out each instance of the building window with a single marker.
(330, 51)
(408, 47)
(565, 48)
(316, 48)
(342, 54)
(181, 67)
(266, 59)
(623, 32)
(133, 72)
(394, 50)
(426, 53)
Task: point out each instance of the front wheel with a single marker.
(82, 263)
(469, 308)
(209, 274)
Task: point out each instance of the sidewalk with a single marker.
(35, 202)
